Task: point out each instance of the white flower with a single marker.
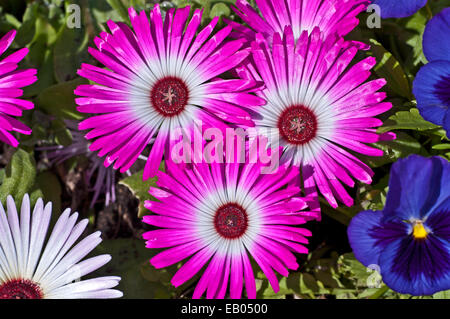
(31, 267)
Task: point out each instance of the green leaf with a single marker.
(407, 120)
(162, 278)
(349, 263)
(438, 5)
(442, 295)
(59, 100)
(401, 147)
(27, 30)
(96, 14)
(445, 146)
(184, 3)
(63, 136)
(390, 69)
(48, 184)
(412, 37)
(367, 293)
(45, 31)
(326, 278)
(41, 54)
(219, 9)
(159, 279)
(13, 21)
(308, 284)
(45, 73)
(373, 197)
(119, 7)
(380, 292)
(341, 214)
(69, 52)
(18, 176)
(140, 189)
(268, 292)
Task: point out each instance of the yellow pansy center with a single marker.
(419, 231)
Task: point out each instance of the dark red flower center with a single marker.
(231, 221)
(297, 124)
(169, 96)
(20, 289)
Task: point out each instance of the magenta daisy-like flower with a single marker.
(319, 107)
(162, 76)
(218, 216)
(11, 82)
(331, 16)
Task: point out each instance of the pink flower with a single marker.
(11, 82)
(218, 216)
(336, 17)
(162, 76)
(321, 108)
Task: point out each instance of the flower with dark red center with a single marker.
(318, 108)
(218, 216)
(409, 240)
(162, 76)
(11, 83)
(36, 266)
(20, 289)
(169, 96)
(297, 125)
(231, 220)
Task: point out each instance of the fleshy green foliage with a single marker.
(57, 51)
(20, 178)
(58, 100)
(390, 69)
(140, 188)
(69, 51)
(48, 184)
(407, 120)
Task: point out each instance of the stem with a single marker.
(430, 13)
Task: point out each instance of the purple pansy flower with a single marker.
(432, 84)
(410, 239)
(399, 8)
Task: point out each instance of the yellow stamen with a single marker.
(419, 231)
